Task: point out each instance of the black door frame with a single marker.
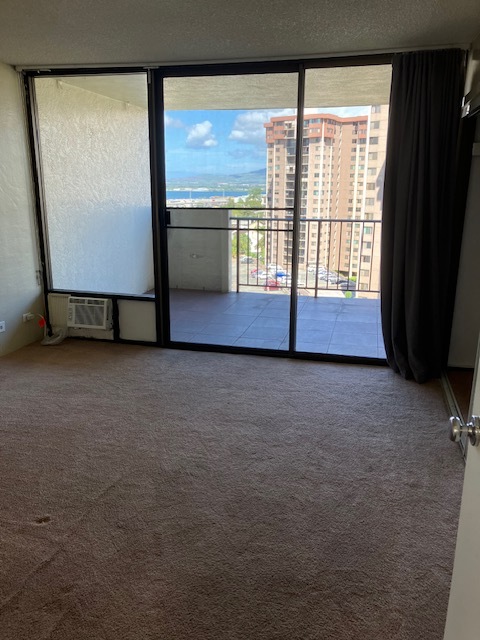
(155, 76)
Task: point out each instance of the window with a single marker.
(375, 124)
(97, 191)
(365, 258)
(376, 108)
(373, 155)
(370, 186)
(373, 140)
(369, 202)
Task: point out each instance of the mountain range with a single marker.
(216, 181)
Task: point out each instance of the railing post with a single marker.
(317, 261)
(238, 255)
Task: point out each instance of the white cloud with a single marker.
(200, 136)
(248, 127)
(173, 122)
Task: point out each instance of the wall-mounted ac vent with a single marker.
(89, 313)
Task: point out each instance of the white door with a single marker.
(462, 618)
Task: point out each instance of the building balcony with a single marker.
(230, 285)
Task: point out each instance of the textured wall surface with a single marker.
(19, 291)
(95, 156)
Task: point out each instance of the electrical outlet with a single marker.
(2, 326)
(28, 316)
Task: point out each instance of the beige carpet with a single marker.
(162, 494)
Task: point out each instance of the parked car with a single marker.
(271, 283)
(246, 260)
(275, 267)
(351, 285)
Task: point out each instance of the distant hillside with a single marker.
(217, 181)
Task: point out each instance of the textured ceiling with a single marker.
(67, 32)
(344, 86)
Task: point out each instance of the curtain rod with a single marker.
(173, 63)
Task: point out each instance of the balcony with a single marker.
(221, 296)
(327, 324)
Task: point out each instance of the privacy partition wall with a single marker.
(225, 207)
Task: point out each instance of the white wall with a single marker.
(95, 155)
(19, 291)
(137, 320)
(466, 319)
(199, 259)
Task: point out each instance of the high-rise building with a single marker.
(343, 163)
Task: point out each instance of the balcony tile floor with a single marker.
(332, 325)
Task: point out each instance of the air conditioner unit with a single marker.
(89, 313)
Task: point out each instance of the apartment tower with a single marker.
(343, 163)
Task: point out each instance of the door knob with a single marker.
(472, 429)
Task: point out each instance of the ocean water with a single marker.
(204, 195)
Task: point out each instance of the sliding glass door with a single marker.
(260, 209)
(343, 162)
(230, 229)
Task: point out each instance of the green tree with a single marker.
(251, 200)
(254, 197)
(243, 244)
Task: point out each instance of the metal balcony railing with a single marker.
(334, 254)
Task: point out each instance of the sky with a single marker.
(224, 142)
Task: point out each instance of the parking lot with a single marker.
(270, 277)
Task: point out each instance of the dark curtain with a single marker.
(422, 222)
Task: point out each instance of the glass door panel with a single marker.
(343, 162)
(230, 193)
